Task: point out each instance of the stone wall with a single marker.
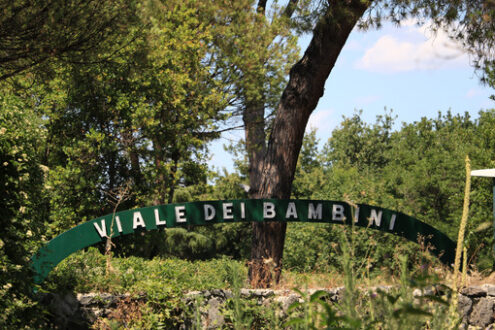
(476, 304)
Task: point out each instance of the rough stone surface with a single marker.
(286, 301)
(465, 306)
(489, 288)
(476, 304)
(482, 314)
(474, 291)
(65, 310)
(215, 318)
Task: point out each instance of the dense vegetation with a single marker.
(122, 118)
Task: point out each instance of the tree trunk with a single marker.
(254, 133)
(299, 99)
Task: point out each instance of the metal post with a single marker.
(493, 196)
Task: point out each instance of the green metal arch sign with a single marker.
(244, 210)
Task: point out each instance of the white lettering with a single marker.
(291, 211)
(314, 213)
(137, 220)
(180, 214)
(209, 212)
(243, 210)
(102, 231)
(375, 218)
(119, 225)
(159, 222)
(338, 212)
(392, 222)
(268, 210)
(227, 211)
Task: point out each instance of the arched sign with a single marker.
(244, 210)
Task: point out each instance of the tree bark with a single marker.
(299, 99)
(254, 133)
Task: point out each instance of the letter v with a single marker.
(101, 230)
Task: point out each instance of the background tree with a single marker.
(35, 34)
(22, 209)
(334, 22)
(420, 173)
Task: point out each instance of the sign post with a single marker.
(489, 173)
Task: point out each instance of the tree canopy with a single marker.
(111, 104)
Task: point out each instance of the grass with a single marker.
(166, 280)
(85, 271)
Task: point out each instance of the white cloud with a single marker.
(323, 120)
(412, 48)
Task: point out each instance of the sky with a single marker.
(406, 69)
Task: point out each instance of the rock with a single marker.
(286, 301)
(464, 307)
(86, 298)
(482, 314)
(489, 288)
(474, 291)
(65, 311)
(215, 318)
(281, 292)
(218, 293)
(265, 293)
(476, 304)
(336, 294)
(245, 293)
(193, 294)
(417, 293)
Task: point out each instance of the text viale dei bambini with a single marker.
(225, 212)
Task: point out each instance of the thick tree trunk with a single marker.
(300, 97)
(254, 134)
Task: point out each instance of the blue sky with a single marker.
(408, 69)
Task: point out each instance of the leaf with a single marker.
(318, 295)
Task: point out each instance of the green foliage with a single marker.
(138, 119)
(255, 54)
(38, 34)
(163, 280)
(118, 93)
(21, 206)
(417, 169)
(307, 248)
(238, 312)
(392, 308)
(85, 272)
